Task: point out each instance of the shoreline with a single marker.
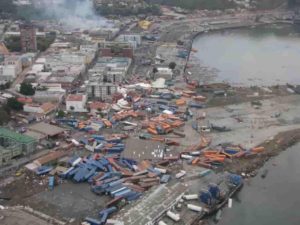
(251, 22)
(249, 166)
(281, 142)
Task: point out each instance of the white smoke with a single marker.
(72, 13)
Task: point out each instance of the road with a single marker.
(20, 78)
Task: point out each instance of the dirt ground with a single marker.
(68, 201)
(19, 217)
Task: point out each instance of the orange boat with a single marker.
(180, 102)
(107, 123)
(195, 161)
(199, 98)
(152, 131)
(258, 149)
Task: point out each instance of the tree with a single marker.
(27, 89)
(4, 116)
(60, 114)
(5, 86)
(155, 70)
(172, 65)
(13, 43)
(43, 43)
(13, 103)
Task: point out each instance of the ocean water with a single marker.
(265, 55)
(274, 200)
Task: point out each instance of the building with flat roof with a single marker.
(13, 144)
(116, 49)
(76, 103)
(10, 68)
(44, 130)
(164, 72)
(110, 70)
(133, 39)
(96, 89)
(45, 108)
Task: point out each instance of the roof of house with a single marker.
(46, 129)
(52, 156)
(98, 105)
(47, 107)
(16, 136)
(3, 49)
(75, 98)
(24, 100)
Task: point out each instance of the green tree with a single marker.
(43, 43)
(13, 103)
(27, 89)
(172, 65)
(4, 116)
(13, 43)
(155, 70)
(5, 86)
(60, 114)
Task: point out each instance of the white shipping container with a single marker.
(180, 174)
(173, 216)
(161, 223)
(161, 170)
(190, 197)
(230, 203)
(183, 156)
(194, 208)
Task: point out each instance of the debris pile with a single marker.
(209, 158)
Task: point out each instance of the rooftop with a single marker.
(24, 139)
(75, 98)
(98, 105)
(47, 129)
(47, 107)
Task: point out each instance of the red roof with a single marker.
(99, 105)
(24, 100)
(75, 98)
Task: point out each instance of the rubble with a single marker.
(106, 99)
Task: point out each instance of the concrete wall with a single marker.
(79, 106)
(101, 91)
(10, 72)
(32, 109)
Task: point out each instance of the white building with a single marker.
(10, 68)
(44, 108)
(101, 91)
(76, 103)
(163, 72)
(73, 58)
(110, 70)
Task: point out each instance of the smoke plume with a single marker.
(72, 13)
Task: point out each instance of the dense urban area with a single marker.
(107, 116)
